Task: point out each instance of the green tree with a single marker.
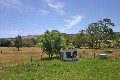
(105, 30)
(93, 35)
(8, 43)
(68, 40)
(34, 41)
(76, 41)
(18, 42)
(83, 38)
(117, 41)
(56, 41)
(80, 39)
(2, 42)
(5, 42)
(27, 43)
(24, 42)
(51, 42)
(100, 32)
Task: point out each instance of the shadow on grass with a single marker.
(58, 58)
(53, 58)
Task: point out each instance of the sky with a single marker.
(34, 17)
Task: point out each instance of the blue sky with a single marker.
(33, 17)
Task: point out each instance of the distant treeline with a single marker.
(98, 34)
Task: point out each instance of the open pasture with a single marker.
(86, 68)
(83, 69)
(12, 56)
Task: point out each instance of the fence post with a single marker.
(116, 55)
(80, 55)
(94, 55)
(41, 56)
(31, 59)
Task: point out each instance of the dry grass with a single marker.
(22, 50)
(89, 53)
(11, 55)
(84, 69)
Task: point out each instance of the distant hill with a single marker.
(76, 34)
(68, 34)
(36, 36)
(117, 33)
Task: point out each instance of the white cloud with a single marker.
(57, 6)
(10, 3)
(72, 22)
(44, 12)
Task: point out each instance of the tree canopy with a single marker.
(51, 42)
(18, 42)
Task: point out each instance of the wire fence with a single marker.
(8, 57)
(95, 55)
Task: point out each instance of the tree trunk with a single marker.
(49, 55)
(99, 45)
(18, 49)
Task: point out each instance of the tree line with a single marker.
(18, 42)
(97, 35)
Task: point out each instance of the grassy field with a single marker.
(11, 56)
(83, 69)
(19, 66)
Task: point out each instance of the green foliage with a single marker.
(84, 69)
(68, 40)
(106, 46)
(80, 39)
(5, 43)
(51, 42)
(100, 32)
(97, 34)
(18, 42)
(105, 31)
(117, 41)
(93, 34)
(34, 41)
(28, 43)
